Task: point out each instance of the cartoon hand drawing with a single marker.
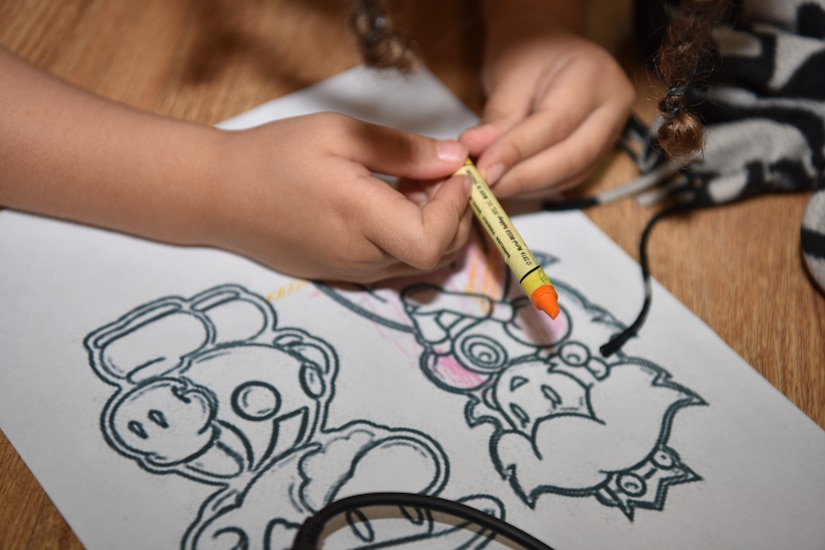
(211, 389)
(566, 420)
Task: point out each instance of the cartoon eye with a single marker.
(312, 380)
(551, 395)
(663, 459)
(155, 416)
(137, 428)
(158, 418)
(632, 485)
(482, 354)
(256, 401)
(575, 354)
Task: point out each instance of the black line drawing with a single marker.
(566, 421)
(210, 388)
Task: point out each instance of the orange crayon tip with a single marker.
(546, 299)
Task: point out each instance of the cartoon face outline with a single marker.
(166, 422)
(533, 390)
(228, 410)
(273, 398)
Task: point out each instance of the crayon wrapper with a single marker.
(505, 236)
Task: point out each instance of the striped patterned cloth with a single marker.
(764, 111)
(763, 106)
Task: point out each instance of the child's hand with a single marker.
(556, 103)
(297, 195)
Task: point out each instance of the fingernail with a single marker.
(493, 173)
(451, 150)
(466, 182)
(420, 198)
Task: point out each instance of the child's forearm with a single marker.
(70, 154)
(295, 195)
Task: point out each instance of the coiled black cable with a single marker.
(309, 533)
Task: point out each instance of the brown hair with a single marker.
(382, 44)
(686, 45)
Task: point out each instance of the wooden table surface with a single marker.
(738, 268)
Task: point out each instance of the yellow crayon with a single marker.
(516, 255)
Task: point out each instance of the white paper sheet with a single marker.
(172, 397)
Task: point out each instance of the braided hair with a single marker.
(686, 46)
(382, 45)
(679, 62)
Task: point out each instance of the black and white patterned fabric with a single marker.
(764, 112)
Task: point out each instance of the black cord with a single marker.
(311, 529)
(616, 343)
(570, 204)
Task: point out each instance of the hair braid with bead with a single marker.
(686, 45)
(382, 45)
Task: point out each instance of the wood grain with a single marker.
(738, 267)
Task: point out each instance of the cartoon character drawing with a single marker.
(566, 420)
(210, 388)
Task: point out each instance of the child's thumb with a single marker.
(402, 154)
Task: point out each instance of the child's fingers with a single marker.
(478, 138)
(420, 236)
(401, 154)
(507, 105)
(562, 166)
(541, 130)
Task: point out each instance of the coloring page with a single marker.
(184, 397)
